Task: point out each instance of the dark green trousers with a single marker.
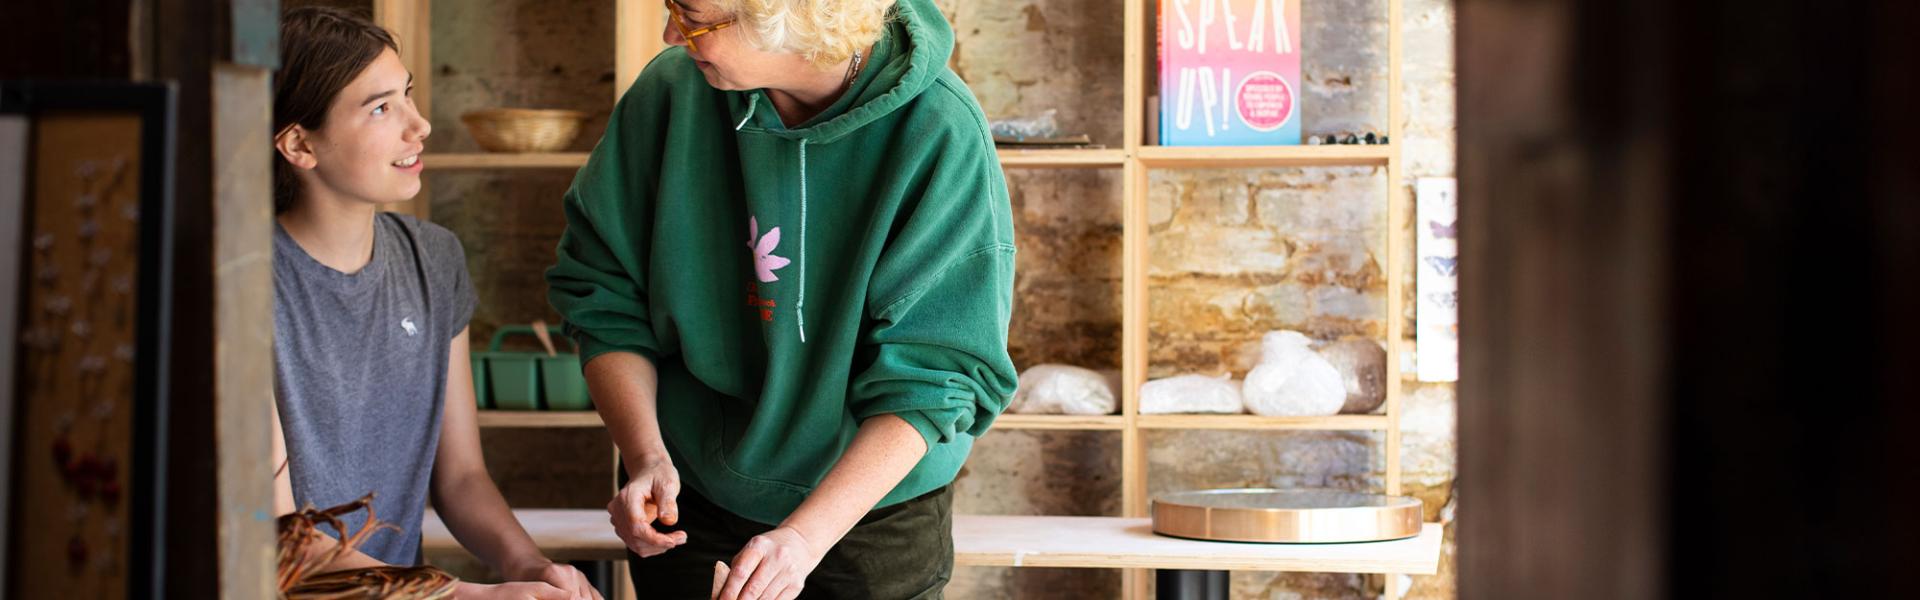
(900, 552)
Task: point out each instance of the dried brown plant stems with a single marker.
(300, 576)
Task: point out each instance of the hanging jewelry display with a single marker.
(71, 331)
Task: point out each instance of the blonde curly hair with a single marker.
(823, 31)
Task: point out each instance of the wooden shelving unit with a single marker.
(1141, 67)
(639, 23)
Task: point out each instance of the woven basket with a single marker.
(524, 129)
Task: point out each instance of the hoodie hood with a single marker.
(910, 55)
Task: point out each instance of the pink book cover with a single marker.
(1229, 72)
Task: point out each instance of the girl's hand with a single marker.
(773, 566)
(648, 497)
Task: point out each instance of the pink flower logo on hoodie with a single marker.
(764, 262)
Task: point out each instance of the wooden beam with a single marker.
(1398, 249)
(187, 57)
(411, 23)
(243, 326)
(637, 31)
(1133, 319)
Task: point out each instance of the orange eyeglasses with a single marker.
(680, 21)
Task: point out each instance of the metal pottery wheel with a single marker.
(1286, 516)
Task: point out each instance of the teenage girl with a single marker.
(373, 388)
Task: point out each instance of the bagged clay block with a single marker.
(1363, 370)
(1190, 394)
(1062, 390)
(1292, 380)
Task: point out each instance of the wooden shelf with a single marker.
(1256, 422)
(1021, 541)
(1062, 158)
(539, 418)
(505, 160)
(1200, 157)
(1061, 422)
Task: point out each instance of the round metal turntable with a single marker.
(1286, 516)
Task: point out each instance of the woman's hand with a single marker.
(649, 496)
(773, 566)
(564, 577)
(515, 590)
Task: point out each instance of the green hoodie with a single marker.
(875, 278)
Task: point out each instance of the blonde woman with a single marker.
(793, 402)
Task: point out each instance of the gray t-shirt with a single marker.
(360, 372)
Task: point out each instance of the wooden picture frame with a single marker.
(94, 247)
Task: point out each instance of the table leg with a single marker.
(622, 582)
(1185, 584)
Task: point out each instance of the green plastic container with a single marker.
(515, 377)
(564, 384)
(532, 380)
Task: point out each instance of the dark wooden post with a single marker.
(221, 54)
(1691, 243)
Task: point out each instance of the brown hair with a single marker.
(321, 50)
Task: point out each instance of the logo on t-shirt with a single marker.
(407, 324)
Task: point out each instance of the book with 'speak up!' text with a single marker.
(1229, 72)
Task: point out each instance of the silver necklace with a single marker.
(853, 69)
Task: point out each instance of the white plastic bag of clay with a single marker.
(1292, 380)
(1190, 394)
(1062, 390)
(1363, 369)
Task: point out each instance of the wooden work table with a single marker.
(1003, 541)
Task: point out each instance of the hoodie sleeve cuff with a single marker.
(938, 423)
(592, 347)
(930, 431)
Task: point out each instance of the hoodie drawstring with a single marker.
(751, 102)
(799, 308)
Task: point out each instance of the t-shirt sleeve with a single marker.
(447, 263)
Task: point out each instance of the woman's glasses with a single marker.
(680, 21)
